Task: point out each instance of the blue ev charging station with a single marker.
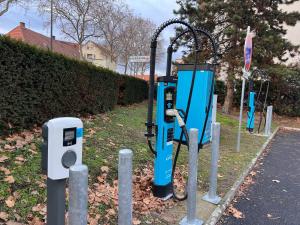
(251, 111)
(183, 102)
(257, 101)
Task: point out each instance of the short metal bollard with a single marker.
(191, 219)
(125, 187)
(78, 195)
(268, 127)
(212, 196)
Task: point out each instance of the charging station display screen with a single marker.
(69, 136)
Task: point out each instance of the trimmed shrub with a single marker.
(284, 91)
(37, 85)
(132, 90)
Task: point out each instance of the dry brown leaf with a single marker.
(20, 158)
(40, 208)
(235, 213)
(5, 170)
(3, 159)
(9, 179)
(32, 151)
(252, 173)
(104, 169)
(36, 221)
(4, 216)
(111, 212)
(33, 146)
(135, 221)
(8, 147)
(10, 201)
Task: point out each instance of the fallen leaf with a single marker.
(5, 170)
(36, 221)
(252, 173)
(220, 176)
(20, 158)
(104, 169)
(9, 179)
(4, 216)
(8, 147)
(3, 159)
(40, 208)
(135, 221)
(10, 201)
(235, 213)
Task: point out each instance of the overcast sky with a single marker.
(156, 10)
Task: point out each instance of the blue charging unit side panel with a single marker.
(251, 111)
(199, 102)
(164, 140)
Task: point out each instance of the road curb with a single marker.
(217, 213)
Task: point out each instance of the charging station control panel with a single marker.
(62, 146)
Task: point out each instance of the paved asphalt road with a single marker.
(274, 198)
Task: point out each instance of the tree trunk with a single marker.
(125, 70)
(229, 91)
(80, 51)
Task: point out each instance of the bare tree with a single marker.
(135, 39)
(6, 4)
(74, 18)
(109, 18)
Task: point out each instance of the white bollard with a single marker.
(191, 219)
(212, 196)
(238, 144)
(125, 187)
(268, 127)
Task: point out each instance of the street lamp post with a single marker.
(51, 26)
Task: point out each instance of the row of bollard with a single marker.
(78, 184)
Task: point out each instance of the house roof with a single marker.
(145, 77)
(33, 38)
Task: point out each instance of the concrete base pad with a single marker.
(214, 200)
(195, 222)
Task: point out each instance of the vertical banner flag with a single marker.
(248, 50)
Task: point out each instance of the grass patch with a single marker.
(105, 135)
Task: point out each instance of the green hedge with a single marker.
(37, 85)
(132, 90)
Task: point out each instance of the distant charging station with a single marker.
(61, 149)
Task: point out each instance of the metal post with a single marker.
(191, 219)
(56, 201)
(241, 116)
(268, 126)
(214, 115)
(125, 187)
(78, 195)
(212, 196)
(51, 25)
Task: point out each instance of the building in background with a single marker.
(92, 52)
(98, 55)
(31, 37)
